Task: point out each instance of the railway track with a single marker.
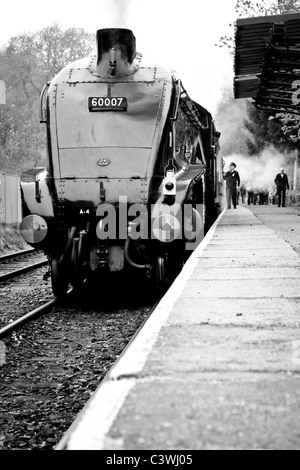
(53, 364)
(15, 264)
(16, 324)
(16, 254)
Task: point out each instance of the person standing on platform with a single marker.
(249, 195)
(243, 192)
(282, 184)
(232, 179)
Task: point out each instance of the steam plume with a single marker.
(259, 172)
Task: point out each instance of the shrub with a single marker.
(10, 239)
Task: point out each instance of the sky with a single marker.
(179, 33)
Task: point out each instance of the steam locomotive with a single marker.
(134, 173)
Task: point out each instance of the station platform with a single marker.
(217, 365)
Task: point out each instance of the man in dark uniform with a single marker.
(282, 184)
(232, 179)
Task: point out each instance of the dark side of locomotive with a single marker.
(134, 175)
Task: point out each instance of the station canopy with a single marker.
(267, 62)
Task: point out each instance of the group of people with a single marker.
(234, 189)
(259, 196)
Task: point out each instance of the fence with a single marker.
(10, 199)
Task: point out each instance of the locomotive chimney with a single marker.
(116, 52)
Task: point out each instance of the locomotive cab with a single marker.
(129, 183)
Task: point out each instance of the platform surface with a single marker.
(217, 366)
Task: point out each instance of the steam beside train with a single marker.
(134, 174)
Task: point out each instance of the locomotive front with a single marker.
(109, 132)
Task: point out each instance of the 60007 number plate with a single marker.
(108, 103)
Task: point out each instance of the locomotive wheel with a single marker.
(58, 279)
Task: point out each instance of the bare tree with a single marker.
(26, 64)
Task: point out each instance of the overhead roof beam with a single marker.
(268, 47)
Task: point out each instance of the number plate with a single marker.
(108, 103)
